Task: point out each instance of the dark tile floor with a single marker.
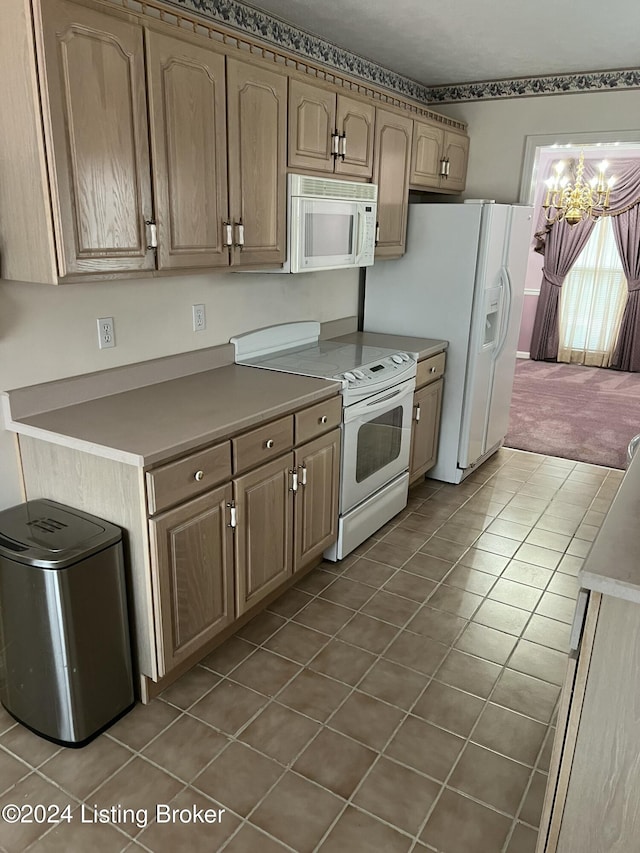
(401, 700)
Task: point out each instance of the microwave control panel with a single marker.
(368, 234)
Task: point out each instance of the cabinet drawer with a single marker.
(262, 444)
(430, 369)
(186, 478)
(318, 419)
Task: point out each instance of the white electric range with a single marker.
(377, 398)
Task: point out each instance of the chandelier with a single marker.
(576, 202)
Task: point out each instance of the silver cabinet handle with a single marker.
(152, 234)
(432, 369)
(335, 143)
(417, 413)
(303, 475)
(294, 481)
(323, 419)
(199, 475)
(342, 146)
(239, 243)
(443, 167)
(233, 517)
(227, 234)
(268, 443)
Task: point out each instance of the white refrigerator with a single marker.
(462, 280)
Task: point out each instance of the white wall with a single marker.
(49, 332)
(499, 129)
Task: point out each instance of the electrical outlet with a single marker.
(199, 318)
(106, 332)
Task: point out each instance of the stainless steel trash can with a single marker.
(64, 635)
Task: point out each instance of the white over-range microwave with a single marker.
(331, 224)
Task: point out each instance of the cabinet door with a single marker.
(427, 405)
(263, 546)
(456, 151)
(316, 503)
(426, 155)
(192, 554)
(189, 145)
(355, 120)
(96, 88)
(392, 159)
(257, 125)
(312, 122)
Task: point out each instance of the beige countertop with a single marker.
(424, 347)
(613, 563)
(150, 424)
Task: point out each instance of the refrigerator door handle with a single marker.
(506, 309)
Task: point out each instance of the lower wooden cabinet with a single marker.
(427, 406)
(264, 507)
(287, 515)
(218, 555)
(192, 551)
(591, 803)
(316, 509)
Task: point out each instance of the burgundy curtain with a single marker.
(561, 247)
(561, 244)
(626, 228)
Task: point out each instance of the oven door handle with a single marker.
(400, 394)
(384, 399)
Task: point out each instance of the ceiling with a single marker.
(438, 42)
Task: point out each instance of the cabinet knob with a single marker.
(199, 475)
(323, 419)
(432, 369)
(268, 443)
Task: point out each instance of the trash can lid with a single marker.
(50, 535)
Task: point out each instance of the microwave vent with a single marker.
(309, 187)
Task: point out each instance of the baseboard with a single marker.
(522, 354)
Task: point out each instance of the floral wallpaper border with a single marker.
(238, 15)
(561, 84)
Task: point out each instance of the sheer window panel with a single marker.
(592, 301)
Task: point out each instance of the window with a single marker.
(592, 301)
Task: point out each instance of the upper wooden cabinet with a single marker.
(257, 121)
(328, 132)
(187, 114)
(99, 158)
(438, 158)
(392, 160)
(122, 144)
(456, 154)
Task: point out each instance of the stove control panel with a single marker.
(391, 367)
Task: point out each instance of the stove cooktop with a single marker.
(325, 359)
(363, 370)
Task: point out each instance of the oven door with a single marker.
(376, 443)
